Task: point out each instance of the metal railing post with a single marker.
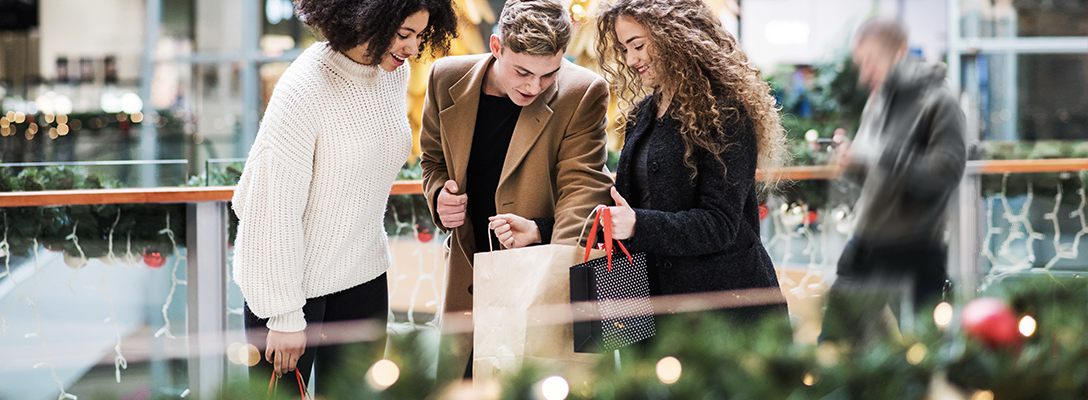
(206, 266)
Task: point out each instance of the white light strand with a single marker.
(174, 282)
(423, 274)
(82, 256)
(109, 240)
(119, 362)
(37, 317)
(394, 269)
(1020, 223)
(1060, 251)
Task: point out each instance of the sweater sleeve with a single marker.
(582, 178)
(270, 200)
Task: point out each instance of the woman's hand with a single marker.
(283, 350)
(623, 217)
(514, 231)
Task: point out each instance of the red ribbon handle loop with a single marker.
(298, 378)
(604, 217)
(592, 239)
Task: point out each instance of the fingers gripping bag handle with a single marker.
(298, 377)
(604, 217)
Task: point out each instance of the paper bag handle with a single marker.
(604, 217)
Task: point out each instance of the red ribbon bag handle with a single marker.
(604, 217)
(298, 377)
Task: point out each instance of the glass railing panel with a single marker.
(34, 176)
(93, 294)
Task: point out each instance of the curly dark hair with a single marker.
(347, 24)
(710, 79)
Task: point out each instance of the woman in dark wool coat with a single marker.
(700, 120)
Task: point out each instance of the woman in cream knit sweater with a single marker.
(311, 245)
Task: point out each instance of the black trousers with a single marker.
(368, 301)
(872, 274)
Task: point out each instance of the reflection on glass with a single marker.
(1031, 96)
(1023, 18)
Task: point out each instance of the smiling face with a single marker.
(519, 76)
(636, 47)
(406, 41)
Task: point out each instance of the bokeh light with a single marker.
(1027, 326)
(383, 374)
(668, 370)
(251, 355)
(983, 395)
(809, 380)
(234, 354)
(916, 354)
(942, 315)
(555, 388)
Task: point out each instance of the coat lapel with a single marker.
(529, 128)
(644, 117)
(459, 120)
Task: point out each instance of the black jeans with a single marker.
(872, 274)
(368, 301)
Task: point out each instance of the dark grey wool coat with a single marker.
(702, 235)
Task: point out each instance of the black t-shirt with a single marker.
(495, 122)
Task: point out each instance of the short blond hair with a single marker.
(534, 27)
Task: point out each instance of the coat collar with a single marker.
(459, 121)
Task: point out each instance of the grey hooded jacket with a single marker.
(910, 155)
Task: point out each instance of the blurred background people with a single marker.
(686, 191)
(908, 157)
(311, 244)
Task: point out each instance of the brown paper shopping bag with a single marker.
(521, 312)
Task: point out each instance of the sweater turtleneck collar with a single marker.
(346, 65)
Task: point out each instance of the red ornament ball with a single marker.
(811, 217)
(154, 259)
(992, 321)
(424, 235)
(763, 211)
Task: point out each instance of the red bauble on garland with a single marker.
(811, 217)
(154, 259)
(763, 211)
(423, 234)
(992, 321)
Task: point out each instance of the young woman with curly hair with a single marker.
(700, 120)
(311, 245)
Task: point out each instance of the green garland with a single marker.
(722, 360)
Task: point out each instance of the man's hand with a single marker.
(844, 153)
(623, 217)
(451, 207)
(514, 231)
(283, 350)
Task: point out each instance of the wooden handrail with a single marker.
(224, 193)
(116, 196)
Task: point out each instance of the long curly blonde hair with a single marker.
(711, 82)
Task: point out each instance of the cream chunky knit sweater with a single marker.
(312, 198)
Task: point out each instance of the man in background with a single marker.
(908, 157)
